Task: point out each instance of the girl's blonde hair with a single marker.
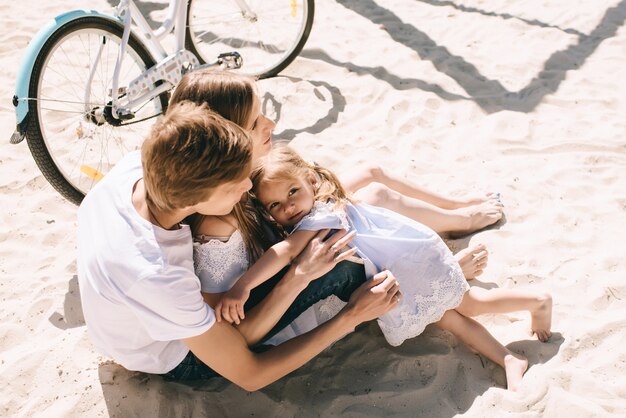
(231, 96)
(283, 163)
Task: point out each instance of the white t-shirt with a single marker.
(139, 293)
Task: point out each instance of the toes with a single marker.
(481, 266)
(480, 255)
(542, 335)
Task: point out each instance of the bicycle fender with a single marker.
(20, 99)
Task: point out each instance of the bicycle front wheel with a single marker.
(269, 34)
(72, 136)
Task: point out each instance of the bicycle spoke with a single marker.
(78, 139)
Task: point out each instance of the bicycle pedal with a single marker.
(231, 60)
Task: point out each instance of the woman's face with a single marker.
(260, 129)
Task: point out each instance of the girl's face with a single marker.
(260, 129)
(289, 200)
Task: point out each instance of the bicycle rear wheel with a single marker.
(269, 36)
(73, 139)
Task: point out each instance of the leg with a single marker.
(376, 174)
(344, 279)
(479, 301)
(463, 220)
(477, 337)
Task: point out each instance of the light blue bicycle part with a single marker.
(21, 97)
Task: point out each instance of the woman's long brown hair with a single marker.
(231, 96)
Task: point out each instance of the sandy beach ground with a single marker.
(522, 97)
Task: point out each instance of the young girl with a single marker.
(303, 198)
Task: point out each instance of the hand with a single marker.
(230, 306)
(321, 256)
(374, 298)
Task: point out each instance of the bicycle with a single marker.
(91, 83)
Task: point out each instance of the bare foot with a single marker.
(480, 215)
(472, 260)
(514, 366)
(542, 317)
(473, 200)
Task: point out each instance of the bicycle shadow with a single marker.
(360, 374)
(270, 104)
(487, 93)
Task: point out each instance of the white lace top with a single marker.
(219, 264)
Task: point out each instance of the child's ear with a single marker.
(313, 180)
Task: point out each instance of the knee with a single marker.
(375, 194)
(543, 300)
(372, 172)
(449, 320)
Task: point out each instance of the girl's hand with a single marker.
(321, 256)
(230, 306)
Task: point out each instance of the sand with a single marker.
(522, 97)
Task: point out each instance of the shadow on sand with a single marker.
(360, 374)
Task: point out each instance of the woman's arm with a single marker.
(230, 307)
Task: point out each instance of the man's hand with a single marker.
(230, 306)
(320, 256)
(374, 298)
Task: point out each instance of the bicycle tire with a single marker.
(71, 147)
(207, 40)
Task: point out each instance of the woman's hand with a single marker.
(230, 306)
(374, 298)
(320, 256)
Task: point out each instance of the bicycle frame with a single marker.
(169, 69)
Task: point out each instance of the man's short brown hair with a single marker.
(189, 152)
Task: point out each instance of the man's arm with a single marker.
(223, 349)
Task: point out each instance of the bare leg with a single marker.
(479, 301)
(472, 260)
(478, 338)
(376, 174)
(442, 221)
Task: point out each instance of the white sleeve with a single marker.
(169, 305)
(322, 216)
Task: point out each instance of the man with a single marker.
(140, 296)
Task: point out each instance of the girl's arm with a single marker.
(230, 306)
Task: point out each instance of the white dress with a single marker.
(431, 280)
(219, 263)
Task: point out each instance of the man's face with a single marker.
(224, 197)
